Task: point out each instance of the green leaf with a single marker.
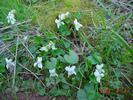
(59, 92)
(93, 78)
(50, 35)
(52, 63)
(7, 37)
(78, 15)
(81, 95)
(27, 84)
(88, 93)
(94, 59)
(32, 49)
(50, 81)
(91, 92)
(40, 89)
(66, 44)
(38, 40)
(61, 78)
(58, 52)
(72, 58)
(2, 68)
(64, 30)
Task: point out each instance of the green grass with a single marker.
(22, 11)
(47, 12)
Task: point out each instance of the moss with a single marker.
(47, 12)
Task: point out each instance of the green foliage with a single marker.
(94, 59)
(22, 11)
(72, 58)
(88, 93)
(2, 68)
(27, 84)
(40, 89)
(64, 30)
(52, 63)
(81, 94)
(59, 92)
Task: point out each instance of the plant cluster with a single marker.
(72, 60)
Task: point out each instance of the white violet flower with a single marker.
(77, 25)
(99, 72)
(59, 23)
(51, 45)
(99, 68)
(38, 63)
(70, 70)
(67, 14)
(44, 49)
(25, 38)
(11, 17)
(10, 64)
(53, 73)
(63, 16)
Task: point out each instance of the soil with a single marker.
(29, 96)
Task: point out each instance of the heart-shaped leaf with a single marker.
(52, 63)
(71, 58)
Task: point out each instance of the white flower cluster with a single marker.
(60, 19)
(11, 17)
(99, 72)
(51, 45)
(69, 69)
(10, 64)
(63, 16)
